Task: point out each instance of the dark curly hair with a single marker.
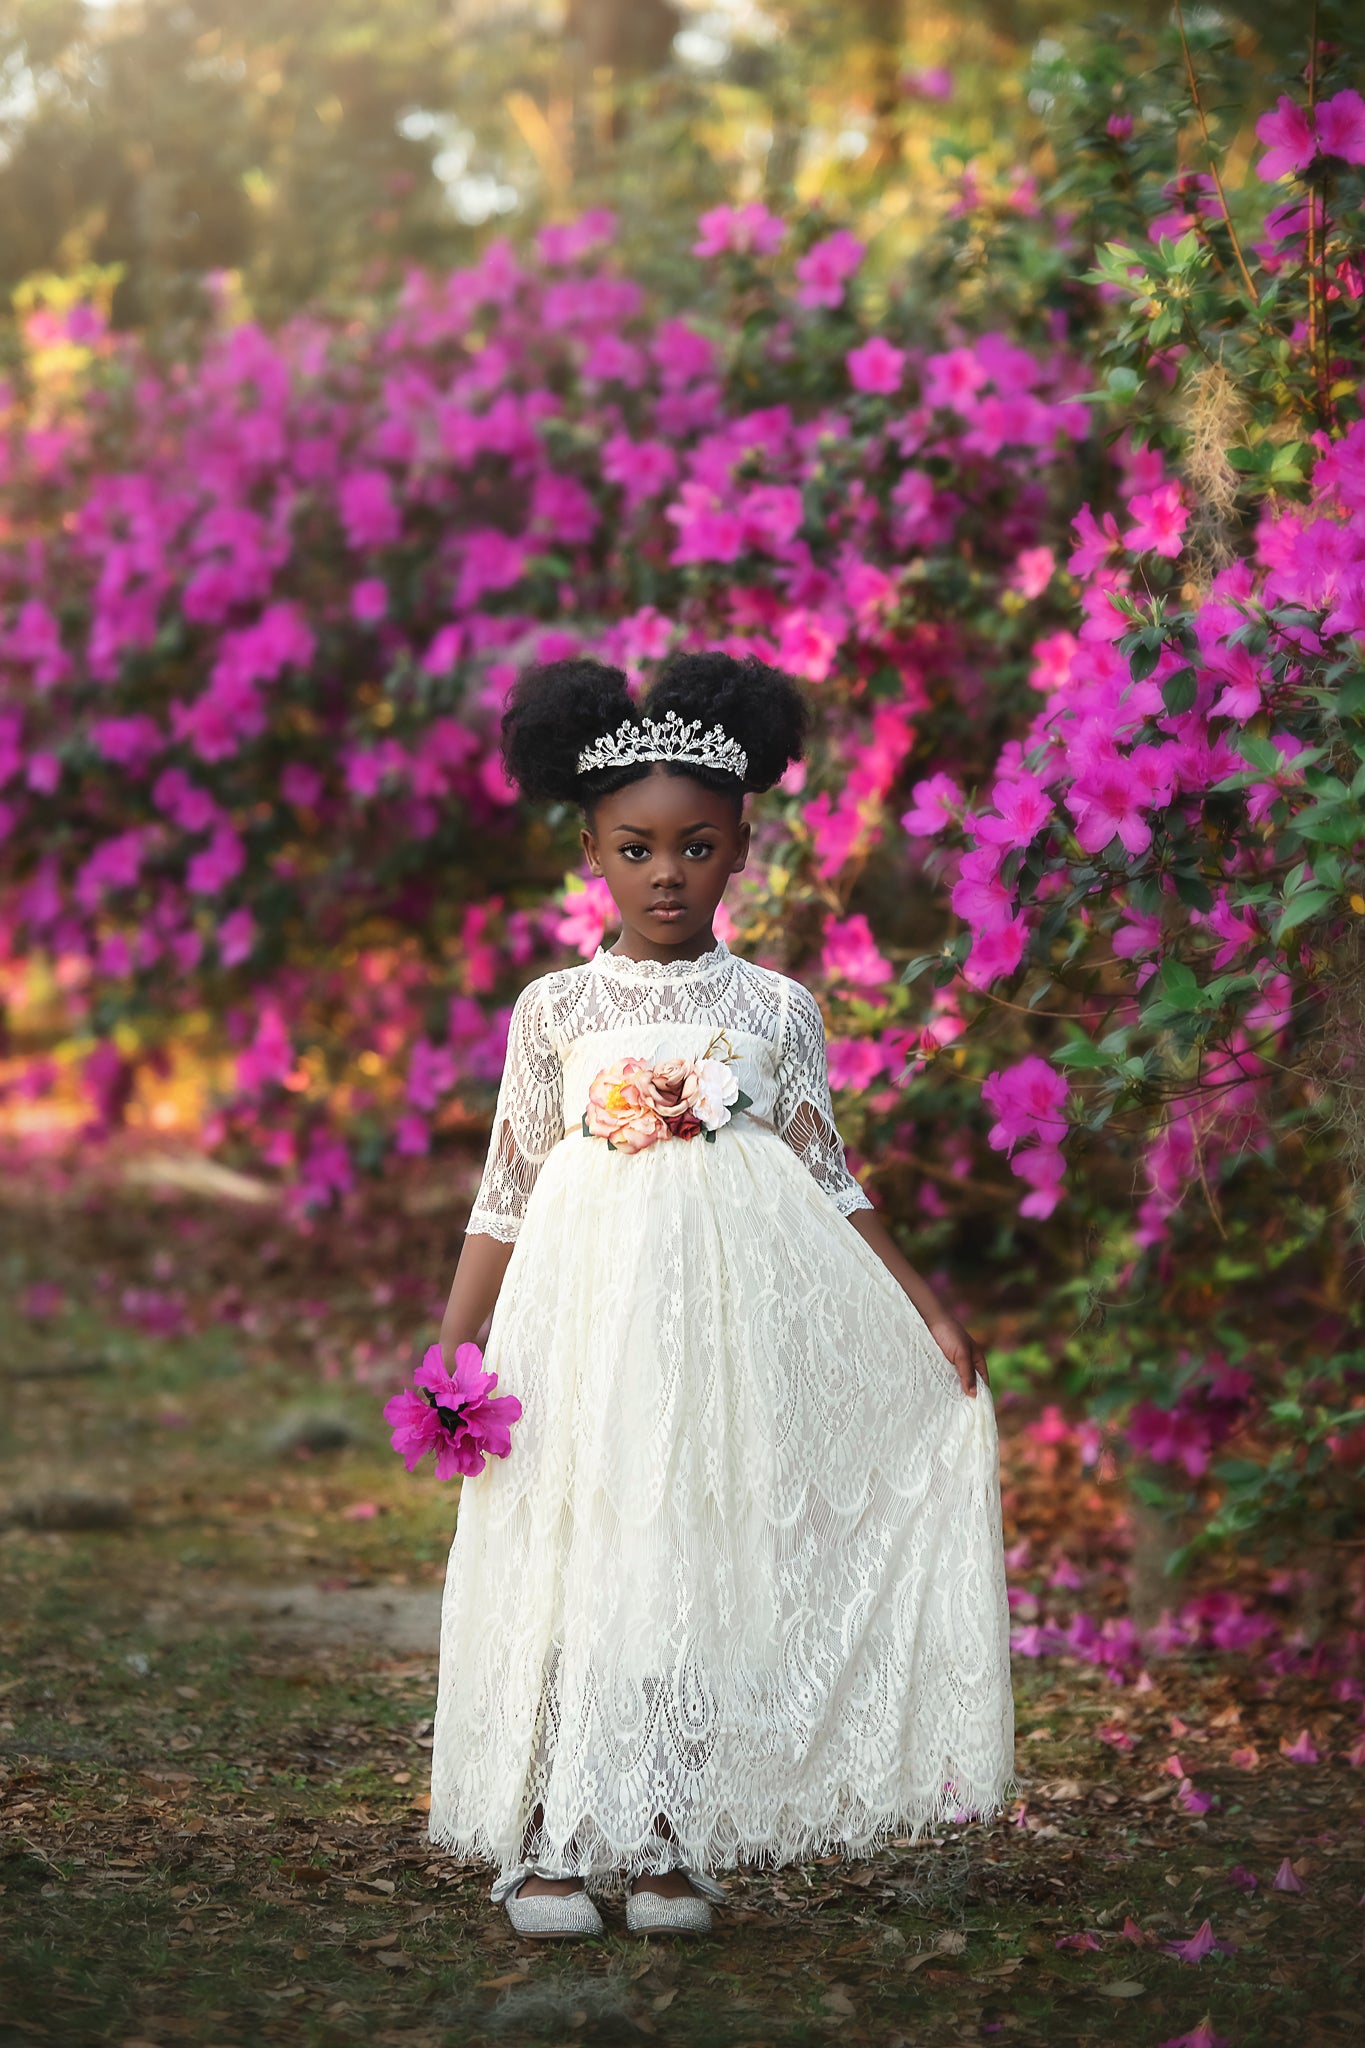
(557, 708)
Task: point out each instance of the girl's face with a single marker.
(666, 846)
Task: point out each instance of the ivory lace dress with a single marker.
(738, 1592)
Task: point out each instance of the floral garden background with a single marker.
(997, 376)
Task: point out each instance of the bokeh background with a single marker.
(996, 370)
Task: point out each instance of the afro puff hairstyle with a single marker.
(557, 708)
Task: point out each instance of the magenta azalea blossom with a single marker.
(1295, 134)
(876, 367)
(1024, 806)
(1341, 127)
(1096, 541)
(1288, 135)
(454, 1414)
(1160, 521)
(1029, 1100)
(1201, 1944)
(826, 267)
(935, 800)
(995, 952)
(739, 230)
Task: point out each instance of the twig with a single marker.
(1251, 291)
(1319, 339)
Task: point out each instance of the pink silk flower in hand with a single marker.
(454, 1414)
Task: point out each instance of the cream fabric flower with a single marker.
(717, 1088)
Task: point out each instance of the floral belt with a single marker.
(635, 1103)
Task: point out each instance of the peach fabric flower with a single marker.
(621, 1107)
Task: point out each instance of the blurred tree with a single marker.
(185, 136)
(319, 147)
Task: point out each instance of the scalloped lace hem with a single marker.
(504, 1228)
(593, 1852)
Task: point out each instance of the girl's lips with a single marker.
(671, 912)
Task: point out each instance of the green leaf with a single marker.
(1079, 1052)
(1142, 661)
(913, 969)
(1238, 1471)
(1191, 888)
(1176, 980)
(1149, 1490)
(1178, 692)
(1304, 904)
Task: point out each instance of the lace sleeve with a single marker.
(527, 1123)
(804, 1113)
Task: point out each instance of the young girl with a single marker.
(737, 1593)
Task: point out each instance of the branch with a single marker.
(1251, 292)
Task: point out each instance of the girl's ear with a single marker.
(742, 849)
(589, 845)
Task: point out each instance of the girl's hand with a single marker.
(961, 1350)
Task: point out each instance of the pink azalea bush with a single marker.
(258, 614)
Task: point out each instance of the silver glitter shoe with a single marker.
(546, 1916)
(651, 1913)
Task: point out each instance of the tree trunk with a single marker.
(1157, 1535)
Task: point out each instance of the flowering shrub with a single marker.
(260, 612)
(1085, 654)
(1167, 860)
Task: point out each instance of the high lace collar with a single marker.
(661, 970)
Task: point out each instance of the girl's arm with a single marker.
(473, 1293)
(528, 1123)
(956, 1342)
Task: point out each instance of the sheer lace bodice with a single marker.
(568, 1024)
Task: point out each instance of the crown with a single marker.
(664, 739)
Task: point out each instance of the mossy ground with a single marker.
(212, 1825)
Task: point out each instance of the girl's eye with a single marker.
(701, 846)
(628, 852)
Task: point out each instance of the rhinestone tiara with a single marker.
(664, 739)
